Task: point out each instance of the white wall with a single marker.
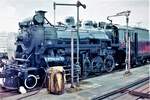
(7, 43)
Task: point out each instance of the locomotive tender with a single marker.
(40, 45)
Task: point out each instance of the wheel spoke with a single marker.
(109, 63)
(97, 64)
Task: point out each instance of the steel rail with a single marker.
(121, 89)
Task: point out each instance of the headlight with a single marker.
(38, 19)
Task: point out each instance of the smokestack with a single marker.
(41, 12)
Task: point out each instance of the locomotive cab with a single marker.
(112, 32)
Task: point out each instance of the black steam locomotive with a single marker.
(40, 45)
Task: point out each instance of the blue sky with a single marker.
(13, 11)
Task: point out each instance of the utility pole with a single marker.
(54, 6)
(72, 59)
(127, 41)
(78, 4)
(128, 47)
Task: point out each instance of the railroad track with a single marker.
(139, 90)
(5, 93)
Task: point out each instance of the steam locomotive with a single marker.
(41, 45)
